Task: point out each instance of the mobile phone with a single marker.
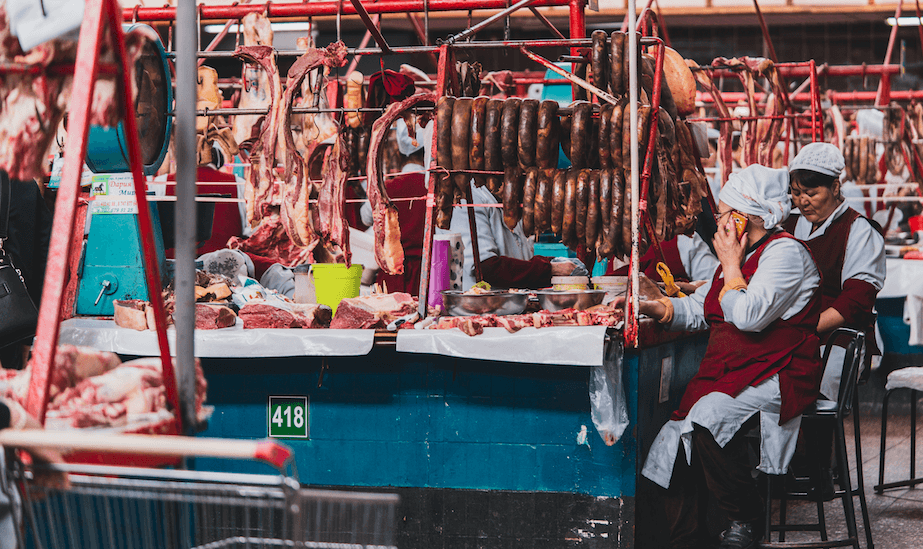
(740, 223)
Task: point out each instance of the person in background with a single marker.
(849, 251)
(508, 258)
(761, 367)
(29, 233)
(411, 214)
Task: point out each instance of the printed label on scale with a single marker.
(288, 417)
(112, 193)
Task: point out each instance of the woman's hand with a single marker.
(729, 249)
(653, 309)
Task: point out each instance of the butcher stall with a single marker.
(517, 416)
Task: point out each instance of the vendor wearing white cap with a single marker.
(411, 214)
(848, 248)
(761, 366)
(849, 251)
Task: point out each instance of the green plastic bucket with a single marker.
(333, 282)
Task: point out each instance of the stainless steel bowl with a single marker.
(552, 300)
(499, 303)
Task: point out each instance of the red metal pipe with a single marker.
(444, 68)
(59, 248)
(802, 71)
(884, 86)
(577, 30)
(305, 9)
(372, 26)
(652, 146)
(817, 118)
(835, 97)
(145, 227)
(544, 20)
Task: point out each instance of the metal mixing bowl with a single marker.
(552, 300)
(499, 303)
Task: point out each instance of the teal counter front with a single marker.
(484, 453)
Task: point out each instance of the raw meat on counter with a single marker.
(260, 315)
(474, 325)
(374, 311)
(92, 388)
(213, 317)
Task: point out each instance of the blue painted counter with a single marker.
(457, 430)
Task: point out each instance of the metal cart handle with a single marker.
(267, 451)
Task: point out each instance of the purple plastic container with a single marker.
(438, 273)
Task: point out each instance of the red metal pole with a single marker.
(86, 70)
(817, 130)
(151, 268)
(372, 26)
(577, 30)
(651, 148)
(312, 9)
(884, 86)
(443, 68)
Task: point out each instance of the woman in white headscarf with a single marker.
(761, 366)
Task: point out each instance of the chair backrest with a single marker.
(852, 341)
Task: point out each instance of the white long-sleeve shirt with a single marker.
(697, 258)
(780, 288)
(494, 237)
(865, 248)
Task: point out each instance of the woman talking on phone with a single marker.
(761, 366)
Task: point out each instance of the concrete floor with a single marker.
(897, 514)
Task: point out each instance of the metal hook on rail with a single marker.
(134, 14)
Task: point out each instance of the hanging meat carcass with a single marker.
(324, 225)
(388, 250)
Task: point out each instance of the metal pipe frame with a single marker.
(471, 31)
(371, 26)
(313, 9)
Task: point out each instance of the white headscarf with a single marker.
(761, 191)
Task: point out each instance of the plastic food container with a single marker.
(614, 286)
(304, 284)
(561, 283)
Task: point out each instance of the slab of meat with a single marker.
(258, 315)
(133, 390)
(312, 315)
(388, 250)
(270, 240)
(260, 182)
(331, 228)
(375, 311)
(213, 317)
(725, 150)
(257, 91)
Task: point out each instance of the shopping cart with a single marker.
(120, 507)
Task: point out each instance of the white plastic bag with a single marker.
(608, 406)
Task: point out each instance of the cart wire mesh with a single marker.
(126, 508)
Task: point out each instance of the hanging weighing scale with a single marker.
(112, 266)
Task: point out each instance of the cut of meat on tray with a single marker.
(256, 92)
(269, 240)
(374, 311)
(213, 317)
(257, 315)
(388, 250)
(259, 188)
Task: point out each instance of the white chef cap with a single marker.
(819, 157)
(761, 191)
(406, 144)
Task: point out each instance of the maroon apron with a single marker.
(829, 250)
(735, 359)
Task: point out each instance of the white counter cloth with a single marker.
(780, 288)
(697, 258)
(556, 345)
(231, 342)
(494, 237)
(723, 416)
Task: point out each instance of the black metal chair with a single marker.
(835, 414)
(904, 378)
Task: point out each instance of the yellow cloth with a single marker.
(668, 281)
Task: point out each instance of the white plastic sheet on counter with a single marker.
(564, 345)
(608, 406)
(231, 342)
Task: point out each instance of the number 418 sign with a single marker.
(288, 417)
